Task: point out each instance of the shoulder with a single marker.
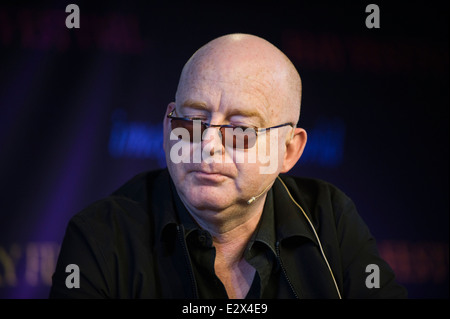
(124, 209)
(325, 203)
(313, 191)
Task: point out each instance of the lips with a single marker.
(210, 170)
(210, 175)
(209, 178)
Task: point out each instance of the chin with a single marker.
(204, 198)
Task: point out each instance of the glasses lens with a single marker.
(192, 131)
(239, 137)
(184, 125)
(236, 137)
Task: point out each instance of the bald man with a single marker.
(223, 220)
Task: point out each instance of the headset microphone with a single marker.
(251, 200)
(315, 234)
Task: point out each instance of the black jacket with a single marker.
(131, 245)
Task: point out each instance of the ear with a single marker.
(166, 123)
(294, 149)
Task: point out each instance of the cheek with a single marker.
(268, 154)
(176, 152)
(249, 178)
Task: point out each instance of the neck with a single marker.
(232, 228)
(230, 244)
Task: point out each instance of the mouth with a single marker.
(212, 177)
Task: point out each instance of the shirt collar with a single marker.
(290, 221)
(281, 218)
(265, 232)
(163, 206)
(184, 216)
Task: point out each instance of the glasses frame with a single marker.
(220, 126)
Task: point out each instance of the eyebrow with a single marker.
(233, 112)
(195, 105)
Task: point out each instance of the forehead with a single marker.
(230, 94)
(229, 110)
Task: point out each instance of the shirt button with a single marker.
(202, 238)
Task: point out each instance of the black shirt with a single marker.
(260, 253)
(133, 244)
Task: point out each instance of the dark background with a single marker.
(81, 112)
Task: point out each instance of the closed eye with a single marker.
(196, 118)
(245, 129)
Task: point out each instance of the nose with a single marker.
(212, 138)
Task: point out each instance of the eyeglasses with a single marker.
(238, 137)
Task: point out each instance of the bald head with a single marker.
(252, 64)
(242, 81)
